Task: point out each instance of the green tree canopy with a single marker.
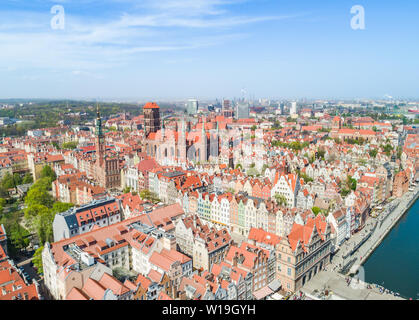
(17, 179)
(316, 210)
(8, 181)
(252, 172)
(39, 195)
(280, 199)
(37, 260)
(373, 153)
(19, 236)
(148, 195)
(27, 178)
(34, 210)
(70, 145)
(127, 189)
(47, 172)
(59, 207)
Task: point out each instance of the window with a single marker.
(289, 271)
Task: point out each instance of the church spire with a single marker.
(99, 132)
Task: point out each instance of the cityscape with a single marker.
(202, 188)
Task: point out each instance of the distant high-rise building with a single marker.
(293, 109)
(192, 106)
(281, 107)
(242, 110)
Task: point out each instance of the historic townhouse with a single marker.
(303, 253)
(256, 260)
(287, 186)
(239, 282)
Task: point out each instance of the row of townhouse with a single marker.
(245, 274)
(240, 212)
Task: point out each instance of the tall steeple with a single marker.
(98, 132)
(100, 139)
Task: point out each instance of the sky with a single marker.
(207, 49)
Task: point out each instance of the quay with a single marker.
(342, 279)
(354, 252)
(330, 285)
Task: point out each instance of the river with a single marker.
(395, 262)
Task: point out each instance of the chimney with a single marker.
(235, 259)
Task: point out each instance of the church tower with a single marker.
(151, 118)
(100, 140)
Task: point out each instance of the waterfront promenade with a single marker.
(330, 285)
(349, 258)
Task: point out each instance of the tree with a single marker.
(306, 178)
(19, 236)
(252, 172)
(351, 183)
(56, 145)
(47, 172)
(373, 153)
(126, 190)
(39, 195)
(37, 260)
(34, 210)
(27, 178)
(70, 145)
(8, 181)
(280, 199)
(43, 183)
(316, 210)
(388, 148)
(320, 154)
(59, 207)
(148, 195)
(17, 179)
(43, 225)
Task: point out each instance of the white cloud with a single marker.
(92, 43)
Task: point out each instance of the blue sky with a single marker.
(177, 49)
